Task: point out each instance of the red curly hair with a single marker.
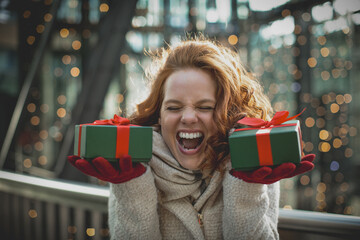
(238, 92)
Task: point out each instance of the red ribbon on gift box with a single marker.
(263, 134)
(122, 133)
(279, 118)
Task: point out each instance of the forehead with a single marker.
(190, 83)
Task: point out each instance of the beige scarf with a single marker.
(175, 182)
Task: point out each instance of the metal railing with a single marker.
(36, 208)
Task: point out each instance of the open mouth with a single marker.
(189, 142)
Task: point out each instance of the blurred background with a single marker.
(75, 61)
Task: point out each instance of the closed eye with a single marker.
(206, 108)
(172, 108)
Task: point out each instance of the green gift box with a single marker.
(113, 141)
(251, 148)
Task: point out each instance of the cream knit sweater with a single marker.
(167, 201)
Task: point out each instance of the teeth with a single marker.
(190, 135)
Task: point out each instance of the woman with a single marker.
(188, 190)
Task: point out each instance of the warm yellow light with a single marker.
(348, 98)
(323, 134)
(31, 107)
(320, 111)
(312, 62)
(35, 120)
(302, 40)
(306, 16)
(273, 88)
(335, 73)
(30, 40)
(344, 187)
(304, 180)
(348, 210)
(310, 122)
(58, 137)
(348, 152)
(27, 14)
(90, 232)
(309, 146)
(298, 75)
(104, 7)
(27, 163)
(325, 75)
(321, 40)
(352, 131)
(66, 59)
(285, 12)
(321, 205)
(61, 99)
(48, 17)
(346, 30)
(339, 200)
(348, 65)
(320, 197)
(297, 29)
(324, 147)
(334, 108)
(124, 59)
(337, 143)
(75, 71)
(325, 98)
(76, 45)
(325, 52)
(340, 99)
(119, 98)
(40, 28)
(321, 187)
(61, 112)
(233, 39)
(39, 146)
(287, 207)
(320, 122)
(42, 160)
(64, 32)
(43, 134)
(32, 213)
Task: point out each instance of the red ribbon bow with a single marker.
(279, 118)
(114, 121)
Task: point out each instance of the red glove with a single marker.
(102, 169)
(267, 175)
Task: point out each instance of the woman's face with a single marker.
(186, 115)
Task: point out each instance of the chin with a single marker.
(190, 164)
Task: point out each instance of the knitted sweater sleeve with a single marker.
(250, 210)
(133, 209)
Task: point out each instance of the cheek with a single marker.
(168, 123)
(210, 123)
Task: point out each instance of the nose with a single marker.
(189, 116)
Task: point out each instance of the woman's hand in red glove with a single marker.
(268, 175)
(102, 169)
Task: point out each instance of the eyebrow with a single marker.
(202, 101)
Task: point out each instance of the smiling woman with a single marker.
(186, 116)
(186, 66)
(189, 189)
